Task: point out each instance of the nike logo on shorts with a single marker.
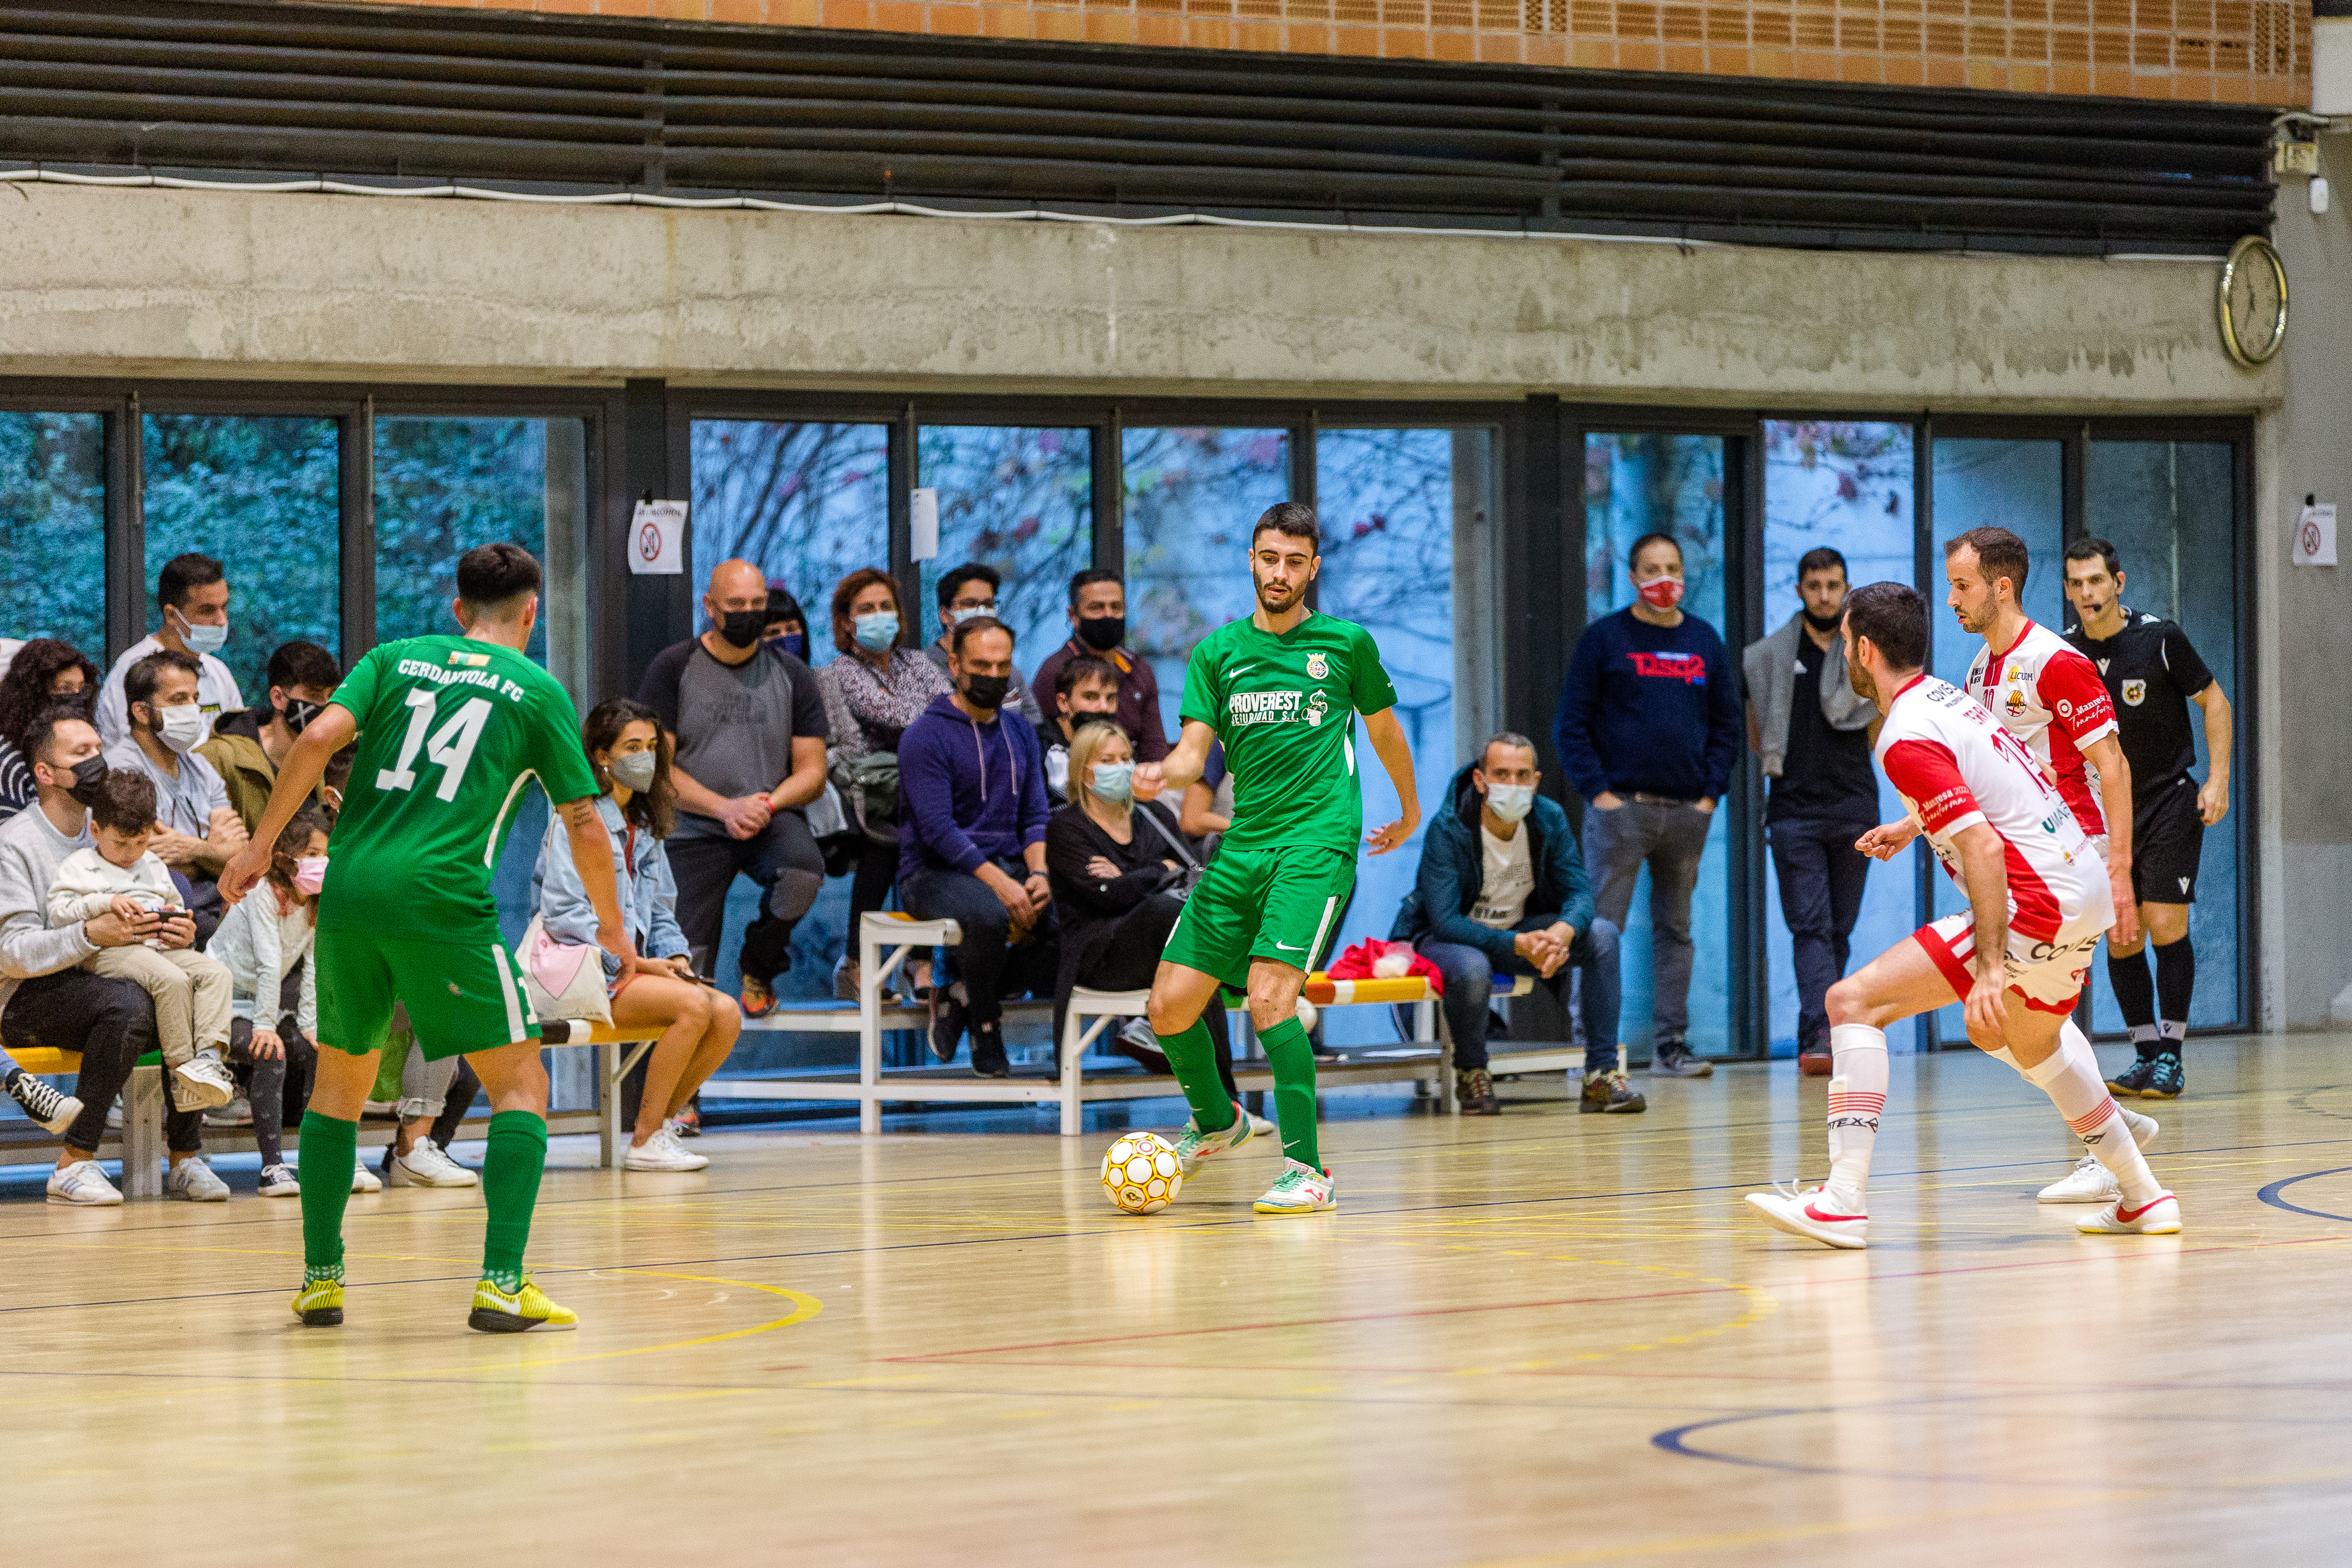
(1293, 946)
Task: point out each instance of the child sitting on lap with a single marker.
(192, 992)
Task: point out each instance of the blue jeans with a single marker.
(1821, 876)
(1670, 840)
(1469, 989)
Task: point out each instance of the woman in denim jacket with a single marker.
(624, 743)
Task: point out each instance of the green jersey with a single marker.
(451, 727)
(1285, 709)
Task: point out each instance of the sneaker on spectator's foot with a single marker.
(193, 1180)
(689, 1121)
(424, 1165)
(1139, 1044)
(663, 1151)
(1192, 1145)
(277, 1181)
(758, 998)
(82, 1183)
(37, 1099)
(1608, 1093)
(1474, 1091)
(988, 1059)
(845, 978)
(365, 1180)
(1300, 1189)
(1675, 1061)
(497, 1313)
(947, 1024)
(1813, 1058)
(2165, 1080)
(114, 1117)
(2131, 1081)
(1811, 1213)
(2160, 1215)
(237, 1112)
(1258, 1125)
(201, 1083)
(319, 1304)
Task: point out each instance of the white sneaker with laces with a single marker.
(1300, 1189)
(82, 1183)
(2092, 1182)
(2160, 1215)
(1192, 1145)
(53, 1112)
(1810, 1214)
(424, 1165)
(365, 1180)
(277, 1181)
(193, 1180)
(237, 1112)
(663, 1151)
(202, 1083)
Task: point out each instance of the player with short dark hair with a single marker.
(1281, 690)
(450, 728)
(2152, 673)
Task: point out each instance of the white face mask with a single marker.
(181, 728)
(1510, 801)
(202, 639)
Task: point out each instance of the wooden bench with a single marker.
(887, 940)
(140, 1143)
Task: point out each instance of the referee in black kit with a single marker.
(2153, 674)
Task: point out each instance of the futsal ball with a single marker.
(1139, 1172)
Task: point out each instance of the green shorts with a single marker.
(461, 996)
(1278, 903)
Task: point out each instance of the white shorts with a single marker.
(2049, 976)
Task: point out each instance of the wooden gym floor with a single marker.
(1539, 1339)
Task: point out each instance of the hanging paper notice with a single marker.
(2315, 536)
(924, 517)
(657, 538)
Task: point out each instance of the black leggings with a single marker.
(278, 1087)
(869, 889)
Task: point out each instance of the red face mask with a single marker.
(1662, 592)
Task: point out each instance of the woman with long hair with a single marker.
(880, 686)
(44, 673)
(699, 1023)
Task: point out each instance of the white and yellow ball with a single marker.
(1141, 1174)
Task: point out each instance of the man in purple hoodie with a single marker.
(971, 842)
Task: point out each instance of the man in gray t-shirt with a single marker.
(748, 724)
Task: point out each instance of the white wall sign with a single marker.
(2315, 534)
(925, 517)
(657, 538)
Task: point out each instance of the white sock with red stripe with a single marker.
(2070, 1078)
(1857, 1095)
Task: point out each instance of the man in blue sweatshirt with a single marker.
(1648, 726)
(971, 842)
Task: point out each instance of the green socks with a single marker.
(1293, 1060)
(331, 1153)
(1194, 1056)
(516, 1154)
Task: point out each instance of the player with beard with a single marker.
(1281, 690)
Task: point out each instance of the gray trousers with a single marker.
(1669, 839)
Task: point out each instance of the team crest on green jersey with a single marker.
(1318, 667)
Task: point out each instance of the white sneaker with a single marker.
(427, 1167)
(2092, 1182)
(193, 1180)
(1807, 1213)
(1192, 1145)
(365, 1180)
(1259, 1126)
(82, 1183)
(1300, 1189)
(663, 1151)
(277, 1181)
(2160, 1215)
(201, 1083)
(53, 1112)
(237, 1112)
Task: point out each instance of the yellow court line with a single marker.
(808, 1307)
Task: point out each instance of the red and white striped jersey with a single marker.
(1955, 765)
(2049, 696)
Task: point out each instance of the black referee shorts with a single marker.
(2167, 836)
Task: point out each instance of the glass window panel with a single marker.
(1845, 486)
(2169, 509)
(444, 486)
(1192, 496)
(1019, 499)
(1390, 501)
(53, 529)
(809, 503)
(2016, 485)
(261, 496)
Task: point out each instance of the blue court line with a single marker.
(2269, 1194)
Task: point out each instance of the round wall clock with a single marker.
(2252, 301)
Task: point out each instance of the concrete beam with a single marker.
(150, 282)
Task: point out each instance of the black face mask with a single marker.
(1823, 623)
(741, 629)
(84, 701)
(986, 691)
(89, 778)
(299, 714)
(1103, 633)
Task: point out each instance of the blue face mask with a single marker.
(877, 631)
(964, 612)
(202, 639)
(796, 643)
(1115, 782)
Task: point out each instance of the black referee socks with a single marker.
(2135, 996)
(2175, 981)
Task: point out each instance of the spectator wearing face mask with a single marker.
(1084, 691)
(194, 596)
(968, 593)
(787, 627)
(45, 673)
(1098, 631)
(198, 830)
(246, 748)
(748, 724)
